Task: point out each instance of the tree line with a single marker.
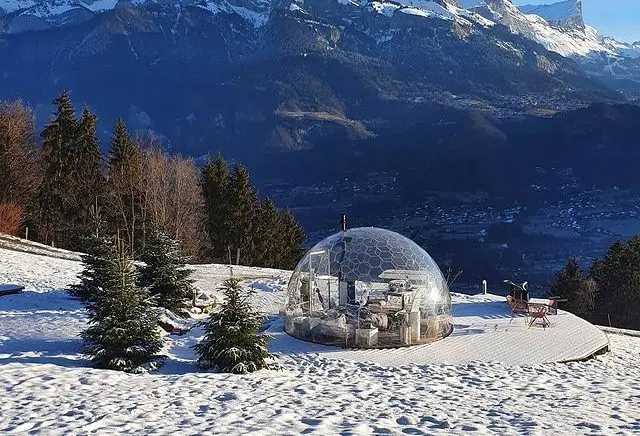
(66, 189)
(609, 292)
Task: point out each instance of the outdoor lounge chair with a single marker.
(538, 312)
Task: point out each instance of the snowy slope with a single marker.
(47, 387)
(559, 26)
(42, 14)
(567, 42)
(564, 13)
(8, 6)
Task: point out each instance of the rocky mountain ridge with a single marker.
(289, 75)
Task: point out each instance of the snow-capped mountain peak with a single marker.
(559, 26)
(563, 15)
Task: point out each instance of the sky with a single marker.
(617, 18)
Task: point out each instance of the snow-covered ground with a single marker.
(46, 386)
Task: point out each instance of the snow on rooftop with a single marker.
(47, 386)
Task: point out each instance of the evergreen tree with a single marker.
(164, 273)
(618, 279)
(215, 180)
(124, 187)
(100, 252)
(292, 238)
(232, 342)
(88, 182)
(241, 203)
(53, 195)
(123, 333)
(122, 150)
(268, 246)
(579, 290)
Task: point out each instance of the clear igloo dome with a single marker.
(368, 288)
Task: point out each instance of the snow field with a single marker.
(47, 387)
(326, 396)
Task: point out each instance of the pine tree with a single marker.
(88, 181)
(100, 252)
(268, 246)
(123, 333)
(57, 146)
(292, 240)
(232, 342)
(241, 202)
(579, 290)
(164, 273)
(122, 149)
(618, 279)
(124, 187)
(215, 180)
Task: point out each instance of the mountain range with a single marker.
(256, 78)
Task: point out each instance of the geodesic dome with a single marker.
(368, 288)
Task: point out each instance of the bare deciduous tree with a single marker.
(125, 197)
(173, 199)
(10, 218)
(19, 165)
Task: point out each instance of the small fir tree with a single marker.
(122, 333)
(232, 342)
(164, 273)
(100, 252)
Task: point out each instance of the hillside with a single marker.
(47, 386)
(203, 75)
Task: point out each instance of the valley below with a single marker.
(527, 237)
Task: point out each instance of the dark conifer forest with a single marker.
(58, 186)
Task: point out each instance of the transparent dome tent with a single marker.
(368, 288)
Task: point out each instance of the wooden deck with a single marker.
(484, 331)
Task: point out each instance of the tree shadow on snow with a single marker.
(60, 352)
(30, 301)
(265, 287)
